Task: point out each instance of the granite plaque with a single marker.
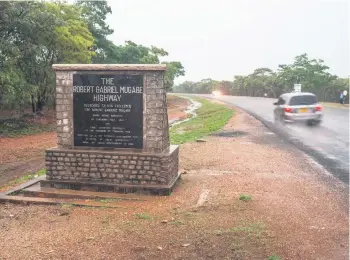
(108, 110)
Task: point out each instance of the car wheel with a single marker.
(282, 121)
(313, 122)
(317, 122)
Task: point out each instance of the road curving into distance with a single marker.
(327, 143)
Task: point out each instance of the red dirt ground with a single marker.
(297, 211)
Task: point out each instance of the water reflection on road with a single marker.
(331, 138)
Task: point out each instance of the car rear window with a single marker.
(303, 100)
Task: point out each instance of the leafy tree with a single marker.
(34, 35)
(313, 74)
(94, 14)
(174, 70)
(39, 34)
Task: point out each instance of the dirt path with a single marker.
(297, 211)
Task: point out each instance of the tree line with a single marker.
(36, 34)
(312, 74)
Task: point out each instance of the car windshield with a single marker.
(303, 100)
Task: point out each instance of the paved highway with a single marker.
(328, 143)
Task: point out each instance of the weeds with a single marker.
(254, 228)
(274, 257)
(67, 205)
(24, 179)
(17, 127)
(143, 216)
(108, 200)
(245, 197)
(176, 223)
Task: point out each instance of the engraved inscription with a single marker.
(108, 110)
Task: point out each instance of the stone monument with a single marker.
(112, 130)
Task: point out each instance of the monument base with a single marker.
(112, 171)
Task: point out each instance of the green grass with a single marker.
(252, 228)
(245, 197)
(274, 257)
(210, 118)
(67, 205)
(24, 178)
(143, 216)
(19, 127)
(176, 223)
(108, 200)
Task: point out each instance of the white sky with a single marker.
(221, 38)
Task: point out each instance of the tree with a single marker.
(34, 35)
(174, 70)
(39, 34)
(94, 14)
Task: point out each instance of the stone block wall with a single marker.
(155, 116)
(64, 109)
(112, 167)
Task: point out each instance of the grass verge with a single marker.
(210, 118)
(23, 179)
(328, 104)
(20, 127)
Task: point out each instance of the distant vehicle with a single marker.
(216, 93)
(298, 107)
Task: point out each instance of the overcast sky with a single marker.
(221, 38)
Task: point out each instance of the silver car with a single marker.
(298, 107)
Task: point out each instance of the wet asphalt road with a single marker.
(327, 143)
